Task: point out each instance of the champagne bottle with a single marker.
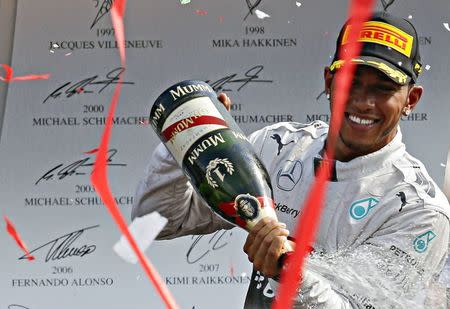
(213, 153)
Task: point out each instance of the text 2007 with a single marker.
(209, 267)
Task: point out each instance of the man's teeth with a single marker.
(361, 121)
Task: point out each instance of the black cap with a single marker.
(389, 44)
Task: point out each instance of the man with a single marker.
(384, 230)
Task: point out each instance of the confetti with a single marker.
(443, 165)
(52, 51)
(400, 63)
(427, 67)
(68, 54)
(306, 228)
(9, 75)
(446, 26)
(91, 151)
(12, 231)
(185, 1)
(410, 17)
(261, 14)
(144, 230)
(55, 45)
(201, 12)
(298, 4)
(100, 182)
(99, 177)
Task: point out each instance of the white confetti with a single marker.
(410, 16)
(298, 4)
(243, 275)
(55, 45)
(446, 26)
(185, 1)
(68, 54)
(52, 51)
(144, 230)
(261, 14)
(443, 165)
(400, 63)
(427, 67)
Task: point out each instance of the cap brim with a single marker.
(384, 66)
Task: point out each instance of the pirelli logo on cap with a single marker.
(384, 34)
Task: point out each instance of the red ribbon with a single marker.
(190, 122)
(99, 177)
(12, 231)
(9, 73)
(360, 11)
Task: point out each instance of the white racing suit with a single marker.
(383, 233)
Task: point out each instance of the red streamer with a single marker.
(12, 231)
(9, 73)
(117, 13)
(99, 177)
(360, 11)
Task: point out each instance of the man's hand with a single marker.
(225, 100)
(265, 245)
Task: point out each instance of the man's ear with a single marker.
(414, 95)
(328, 78)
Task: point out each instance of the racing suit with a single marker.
(383, 233)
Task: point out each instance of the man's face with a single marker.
(374, 107)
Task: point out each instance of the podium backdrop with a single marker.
(271, 68)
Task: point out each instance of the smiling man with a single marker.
(384, 232)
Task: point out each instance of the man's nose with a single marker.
(362, 98)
